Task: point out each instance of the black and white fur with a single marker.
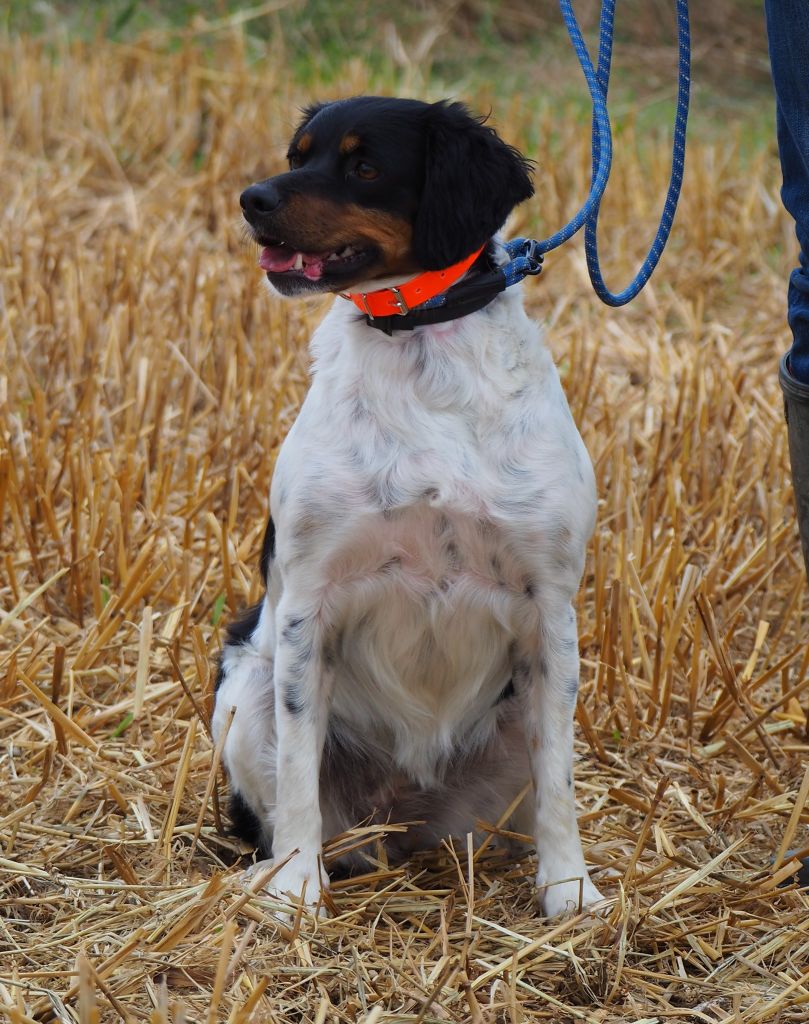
(415, 657)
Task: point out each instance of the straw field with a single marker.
(146, 382)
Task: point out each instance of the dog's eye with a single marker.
(365, 171)
(295, 161)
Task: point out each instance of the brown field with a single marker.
(146, 383)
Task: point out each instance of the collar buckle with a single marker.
(399, 301)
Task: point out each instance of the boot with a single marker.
(796, 410)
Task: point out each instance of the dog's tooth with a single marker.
(298, 264)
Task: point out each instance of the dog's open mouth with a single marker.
(283, 259)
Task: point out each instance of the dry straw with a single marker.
(146, 384)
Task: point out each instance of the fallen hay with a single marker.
(147, 381)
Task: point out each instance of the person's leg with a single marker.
(788, 37)
(796, 409)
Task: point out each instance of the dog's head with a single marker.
(380, 188)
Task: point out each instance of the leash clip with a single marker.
(534, 257)
(525, 258)
(527, 249)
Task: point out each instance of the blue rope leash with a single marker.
(598, 85)
(526, 254)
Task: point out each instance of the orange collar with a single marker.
(419, 289)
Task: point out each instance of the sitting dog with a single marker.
(415, 657)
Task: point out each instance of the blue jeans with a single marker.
(788, 37)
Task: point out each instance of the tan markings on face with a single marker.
(390, 233)
(304, 143)
(349, 143)
(315, 224)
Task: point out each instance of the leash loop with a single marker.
(598, 86)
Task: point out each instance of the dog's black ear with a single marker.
(472, 181)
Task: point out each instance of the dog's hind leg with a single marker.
(245, 682)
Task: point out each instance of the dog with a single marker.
(415, 656)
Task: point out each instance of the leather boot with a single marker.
(796, 410)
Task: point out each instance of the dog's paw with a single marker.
(299, 881)
(566, 897)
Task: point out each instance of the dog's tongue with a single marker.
(279, 258)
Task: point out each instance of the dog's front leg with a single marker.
(551, 681)
(302, 694)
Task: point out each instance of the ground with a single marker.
(146, 382)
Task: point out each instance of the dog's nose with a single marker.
(260, 199)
